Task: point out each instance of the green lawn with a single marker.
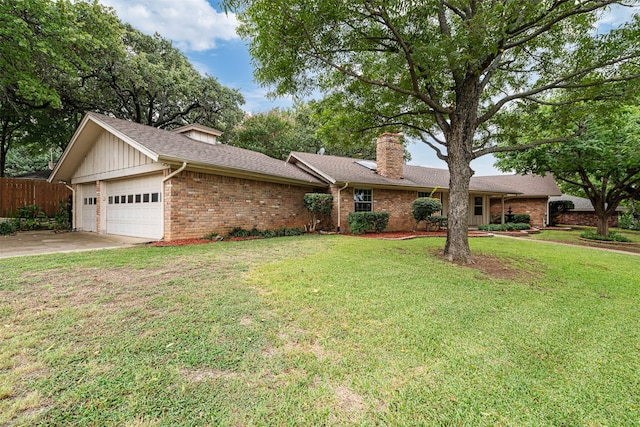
(321, 330)
(573, 236)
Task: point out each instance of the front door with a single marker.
(476, 210)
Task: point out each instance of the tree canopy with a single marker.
(602, 163)
(438, 70)
(59, 59)
(278, 132)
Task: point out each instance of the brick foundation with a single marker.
(197, 204)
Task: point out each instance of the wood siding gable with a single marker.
(111, 157)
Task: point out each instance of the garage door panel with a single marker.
(88, 208)
(134, 207)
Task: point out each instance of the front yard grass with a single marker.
(573, 237)
(327, 330)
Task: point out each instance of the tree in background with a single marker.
(602, 164)
(59, 59)
(44, 52)
(278, 132)
(440, 71)
(154, 83)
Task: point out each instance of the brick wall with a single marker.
(197, 204)
(536, 208)
(396, 202)
(585, 218)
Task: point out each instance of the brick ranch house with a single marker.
(136, 180)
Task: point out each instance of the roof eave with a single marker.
(238, 173)
(293, 159)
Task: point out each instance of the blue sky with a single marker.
(207, 36)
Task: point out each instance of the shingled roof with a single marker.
(524, 185)
(174, 148)
(335, 170)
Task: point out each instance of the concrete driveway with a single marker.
(47, 242)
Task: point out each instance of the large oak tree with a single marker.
(439, 70)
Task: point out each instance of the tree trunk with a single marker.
(603, 225)
(459, 155)
(457, 246)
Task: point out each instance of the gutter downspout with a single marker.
(339, 191)
(73, 205)
(165, 179)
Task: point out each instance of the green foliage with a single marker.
(319, 206)
(363, 222)
(627, 221)
(602, 163)
(612, 237)
(8, 227)
(521, 218)
(319, 203)
(61, 219)
(441, 72)
(60, 59)
(509, 226)
(423, 207)
(240, 232)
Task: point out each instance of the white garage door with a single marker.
(87, 202)
(134, 207)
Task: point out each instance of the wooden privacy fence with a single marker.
(16, 193)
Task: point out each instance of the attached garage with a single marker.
(134, 207)
(140, 181)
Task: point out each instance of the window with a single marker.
(110, 200)
(363, 200)
(155, 197)
(477, 206)
(145, 198)
(138, 198)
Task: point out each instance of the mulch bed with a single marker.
(402, 235)
(388, 235)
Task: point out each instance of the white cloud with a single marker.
(193, 25)
(617, 15)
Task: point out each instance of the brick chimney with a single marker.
(390, 155)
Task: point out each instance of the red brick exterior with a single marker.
(585, 218)
(197, 204)
(535, 207)
(390, 156)
(396, 202)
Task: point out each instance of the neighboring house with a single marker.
(583, 212)
(532, 196)
(141, 181)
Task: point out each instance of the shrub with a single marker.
(613, 237)
(254, 232)
(521, 218)
(319, 206)
(509, 226)
(362, 222)
(423, 207)
(8, 227)
(627, 221)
